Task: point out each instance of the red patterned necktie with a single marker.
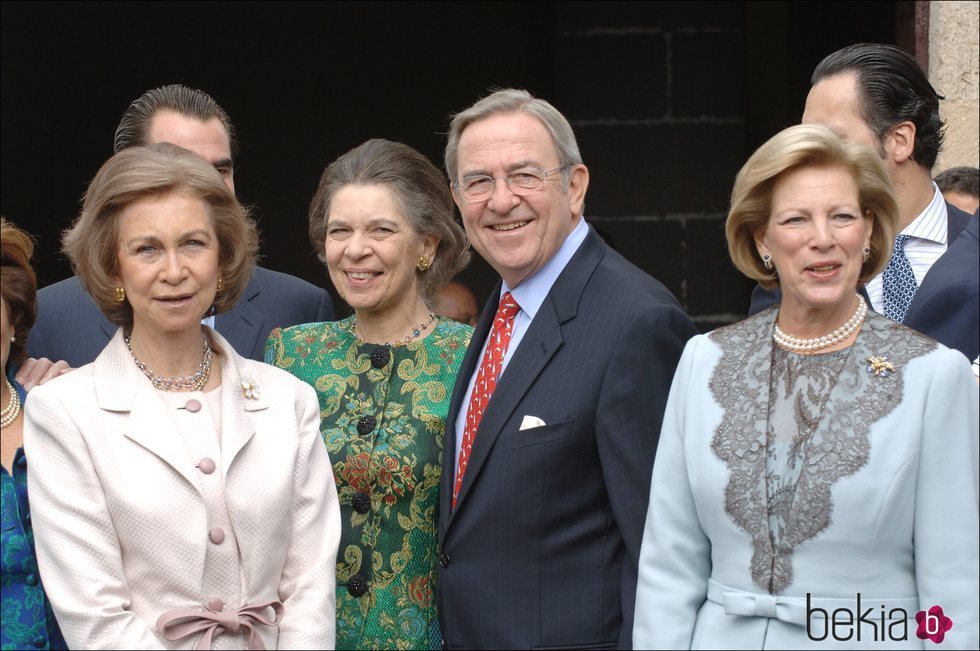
(486, 380)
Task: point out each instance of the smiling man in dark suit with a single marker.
(879, 96)
(557, 409)
(69, 325)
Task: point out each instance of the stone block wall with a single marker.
(655, 94)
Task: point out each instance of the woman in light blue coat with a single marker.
(816, 479)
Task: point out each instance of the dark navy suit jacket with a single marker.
(946, 304)
(543, 546)
(71, 327)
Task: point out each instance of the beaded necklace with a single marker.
(12, 410)
(801, 345)
(416, 332)
(193, 382)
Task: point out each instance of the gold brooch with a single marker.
(249, 390)
(880, 366)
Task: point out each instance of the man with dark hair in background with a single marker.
(71, 327)
(961, 187)
(877, 95)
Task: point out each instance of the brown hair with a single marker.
(18, 285)
(417, 186)
(136, 173)
(793, 148)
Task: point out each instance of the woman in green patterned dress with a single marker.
(382, 221)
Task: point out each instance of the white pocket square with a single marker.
(530, 422)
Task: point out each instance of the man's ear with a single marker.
(578, 185)
(900, 144)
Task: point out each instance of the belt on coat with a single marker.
(177, 624)
(792, 610)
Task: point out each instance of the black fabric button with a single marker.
(361, 503)
(366, 425)
(356, 585)
(444, 560)
(380, 357)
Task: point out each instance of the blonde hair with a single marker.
(807, 145)
(136, 173)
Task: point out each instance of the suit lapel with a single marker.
(538, 346)
(470, 360)
(243, 325)
(540, 343)
(108, 328)
(241, 393)
(121, 387)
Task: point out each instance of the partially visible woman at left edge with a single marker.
(27, 620)
(181, 495)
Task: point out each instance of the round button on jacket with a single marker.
(216, 605)
(380, 357)
(217, 535)
(356, 585)
(193, 406)
(361, 503)
(366, 425)
(206, 465)
(444, 560)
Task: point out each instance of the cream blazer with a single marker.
(121, 519)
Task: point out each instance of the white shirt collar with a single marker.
(531, 292)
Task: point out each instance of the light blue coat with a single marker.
(887, 500)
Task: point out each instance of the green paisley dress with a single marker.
(383, 418)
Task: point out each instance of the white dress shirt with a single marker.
(928, 242)
(530, 293)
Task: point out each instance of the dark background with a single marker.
(667, 100)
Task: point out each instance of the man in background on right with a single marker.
(961, 187)
(877, 95)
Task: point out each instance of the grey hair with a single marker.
(513, 100)
(419, 189)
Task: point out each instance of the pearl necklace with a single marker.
(193, 382)
(800, 345)
(398, 342)
(12, 410)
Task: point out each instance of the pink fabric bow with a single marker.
(177, 624)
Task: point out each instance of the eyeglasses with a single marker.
(479, 187)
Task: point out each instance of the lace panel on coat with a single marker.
(839, 445)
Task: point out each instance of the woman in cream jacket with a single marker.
(182, 495)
